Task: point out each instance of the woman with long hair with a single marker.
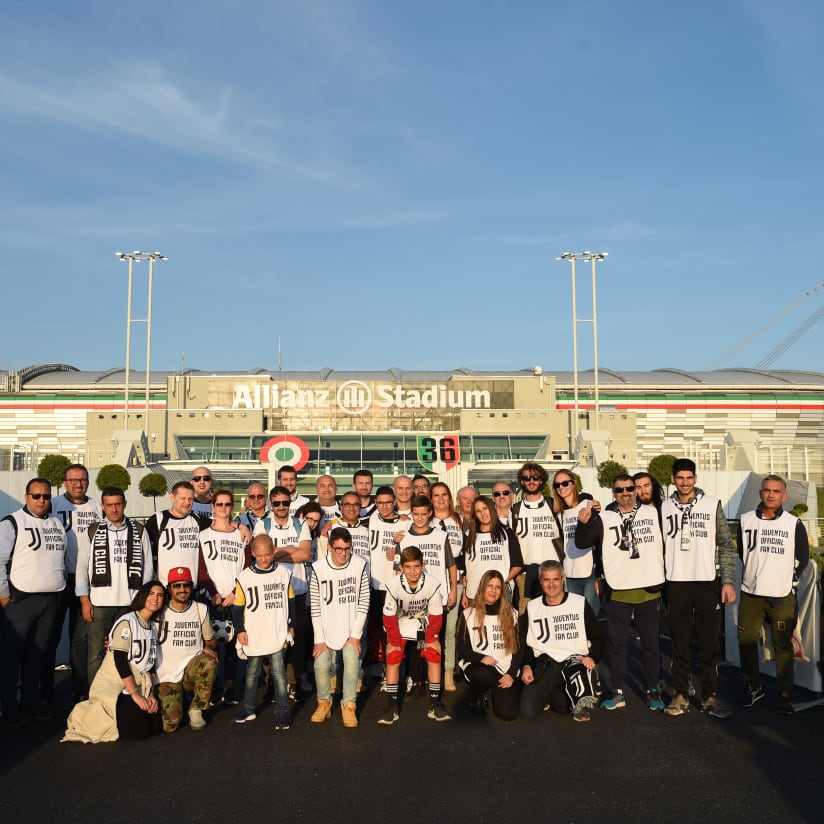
(490, 544)
(445, 517)
(489, 653)
(121, 700)
(579, 562)
(225, 549)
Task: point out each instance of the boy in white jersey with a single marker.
(262, 614)
(412, 620)
(340, 606)
(775, 550)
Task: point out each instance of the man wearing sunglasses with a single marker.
(502, 498)
(32, 572)
(293, 550)
(202, 483)
(534, 524)
(628, 540)
(186, 654)
(258, 506)
(701, 569)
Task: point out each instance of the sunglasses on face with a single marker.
(504, 493)
(36, 496)
(527, 478)
(181, 585)
(281, 503)
(559, 484)
(201, 477)
(617, 489)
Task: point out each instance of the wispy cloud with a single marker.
(141, 100)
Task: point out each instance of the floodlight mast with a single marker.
(138, 257)
(594, 258)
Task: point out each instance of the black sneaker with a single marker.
(389, 717)
(477, 707)
(41, 713)
(712, 706)
(283, 722)
(229, 699)
(751, 696)
(785, 706)
(15, 720)
(438, 712)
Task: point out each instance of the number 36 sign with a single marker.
(439, 452)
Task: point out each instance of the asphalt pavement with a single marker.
(626, 765)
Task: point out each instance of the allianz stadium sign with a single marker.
(357, 397)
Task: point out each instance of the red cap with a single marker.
(180, 574)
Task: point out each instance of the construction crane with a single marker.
(779, 350)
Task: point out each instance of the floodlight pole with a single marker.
(594, 258)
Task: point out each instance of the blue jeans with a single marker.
(277, 662)
(585, 587)
(326, 665)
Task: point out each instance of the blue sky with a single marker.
(389, 184)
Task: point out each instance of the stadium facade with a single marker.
(464, 425)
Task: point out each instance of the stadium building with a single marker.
(463, 425)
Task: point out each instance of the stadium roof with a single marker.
(62, 376)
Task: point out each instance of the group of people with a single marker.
(400, 582)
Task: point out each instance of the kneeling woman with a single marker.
(121, 701)
(488, 651)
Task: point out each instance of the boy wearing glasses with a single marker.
(627, 537)
(186, 654)
(32, 574)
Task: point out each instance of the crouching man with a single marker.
(187, 654)
(562, 643)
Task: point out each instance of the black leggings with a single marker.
(132, 723)
(506, 703)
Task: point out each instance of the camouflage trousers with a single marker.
(198, 678)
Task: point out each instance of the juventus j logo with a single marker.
(139, 649)
(66, 515)
(328, 591)
(36, 541)
(672, 525)
(751, 535)
(211, 550)
(542, 629)
(168, 540)
(253, 601)
(617, 540)
(483, 638)
(522, 527)
(164, 633)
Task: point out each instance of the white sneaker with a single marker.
(196, 720)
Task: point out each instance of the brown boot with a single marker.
(448, 681)
(347, 711)
(322, 713)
